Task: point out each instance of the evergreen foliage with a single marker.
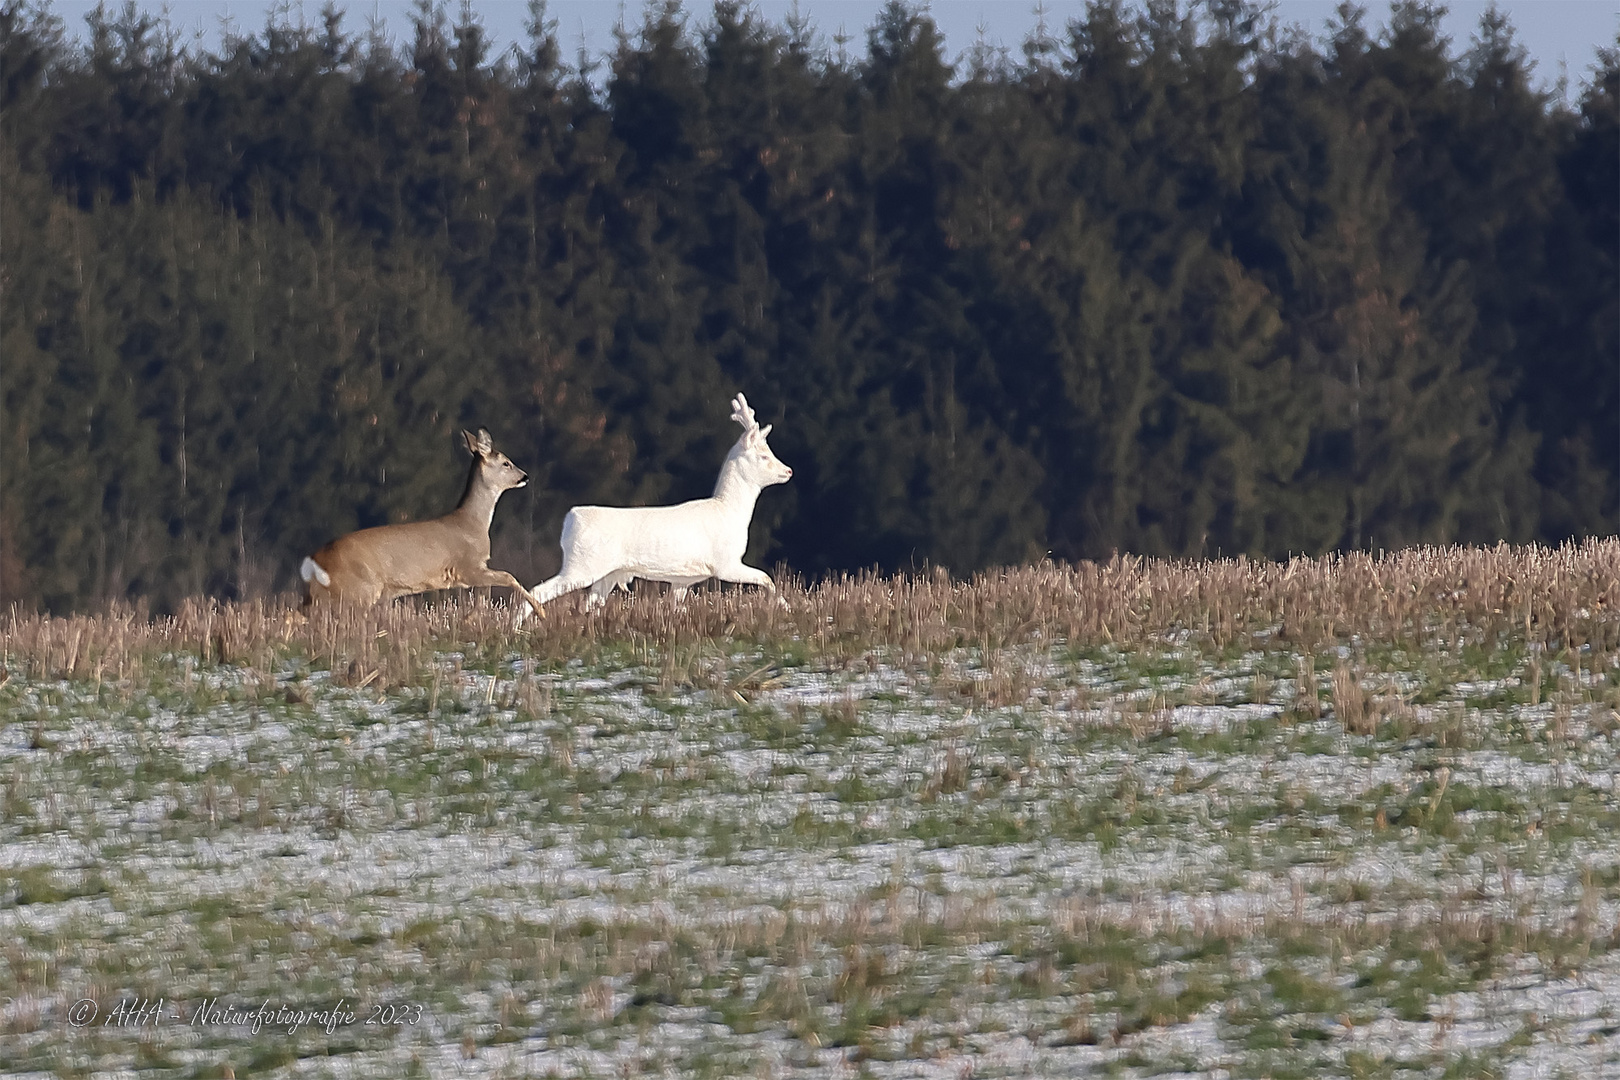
(1171, 282)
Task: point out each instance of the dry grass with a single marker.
(1284, 815)
(1350, 702)
(1567, 596)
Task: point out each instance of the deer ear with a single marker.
(471, 440)
(486, 445)
(764, 432)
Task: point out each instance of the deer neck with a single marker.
(734, 492)
(477, 505)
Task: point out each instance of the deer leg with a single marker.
(359, 591)
(487, 576)
(678, 587)
(565, 582)
(601, 589)
(746, 575)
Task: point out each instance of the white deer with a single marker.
(375, 565)
(605, 547)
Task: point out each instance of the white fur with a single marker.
(311, 570)
(605, 547)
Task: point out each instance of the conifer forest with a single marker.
(1168, 279)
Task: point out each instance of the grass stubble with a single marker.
(1344, 816)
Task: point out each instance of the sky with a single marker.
(1561, 35)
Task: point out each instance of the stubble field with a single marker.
(1340, 817)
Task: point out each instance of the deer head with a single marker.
(752, 454)
(491, 468)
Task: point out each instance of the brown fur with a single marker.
(450, 552)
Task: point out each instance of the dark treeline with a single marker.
(1170, 281)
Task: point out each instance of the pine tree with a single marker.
(1570, 388)
(666, 386)
(1174, 284)
(1407, 431)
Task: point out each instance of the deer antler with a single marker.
(741, 413)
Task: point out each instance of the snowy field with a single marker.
(1022, 859)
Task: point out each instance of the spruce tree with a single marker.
(1407, 429)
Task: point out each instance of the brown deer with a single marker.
(449, 552)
